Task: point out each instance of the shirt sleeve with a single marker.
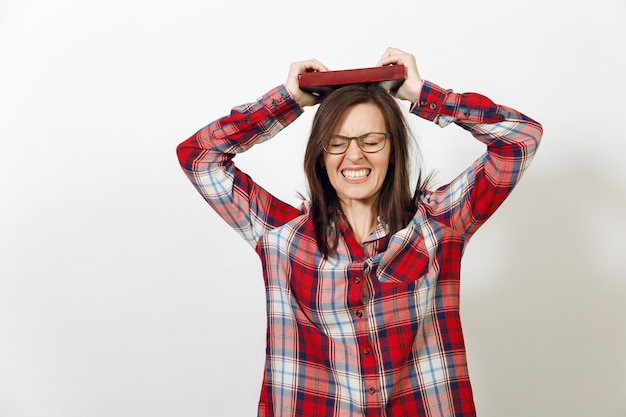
(207, 160)
(511, 138)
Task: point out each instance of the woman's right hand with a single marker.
(301, 97)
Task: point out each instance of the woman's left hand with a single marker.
(412, 85)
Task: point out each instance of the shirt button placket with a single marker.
(357, 281)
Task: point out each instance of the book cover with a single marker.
(389, 77)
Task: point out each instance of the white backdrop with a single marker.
(122, 293)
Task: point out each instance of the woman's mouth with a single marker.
(356, 174)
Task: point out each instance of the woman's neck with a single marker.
(362, 219)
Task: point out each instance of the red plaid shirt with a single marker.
(374, 330)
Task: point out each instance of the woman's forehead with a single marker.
(359, 119)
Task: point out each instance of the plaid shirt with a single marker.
(374, 330)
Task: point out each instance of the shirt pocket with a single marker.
(406, 259)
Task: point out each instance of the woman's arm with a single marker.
(207, 157)
(511, 138)
(207, 160)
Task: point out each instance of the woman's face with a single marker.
(355, 175)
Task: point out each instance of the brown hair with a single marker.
(395, 200)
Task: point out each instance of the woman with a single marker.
(362, 282)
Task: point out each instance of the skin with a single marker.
(358, 198)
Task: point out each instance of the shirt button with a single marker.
(423, 103)
(366, 351)
(248, 121)
(466, 113)
(433, 106)
(357, 280)
(359, 314)
(372, 390)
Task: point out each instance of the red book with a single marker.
(389, 77)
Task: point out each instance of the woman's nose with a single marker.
(353, 152)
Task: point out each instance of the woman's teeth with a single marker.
(356, 174)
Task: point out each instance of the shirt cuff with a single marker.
(430, 101)
(445, 106)
(281, 105)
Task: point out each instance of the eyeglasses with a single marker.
(369, 142)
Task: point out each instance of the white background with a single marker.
(122, 293)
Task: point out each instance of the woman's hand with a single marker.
(412, 85)
(302, 98)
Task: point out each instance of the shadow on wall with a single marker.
(552, 319)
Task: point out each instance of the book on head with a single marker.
(323, 82)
